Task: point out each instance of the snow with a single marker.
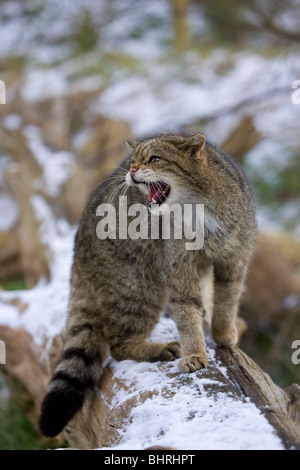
(43, 84)
(57, 167)
(46, 313)
(29, 34)
(184, 414)
(9, 315)
(161, 99)
(12, 122)
(9, 212)
(192, 419)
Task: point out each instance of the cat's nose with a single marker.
(132, 170)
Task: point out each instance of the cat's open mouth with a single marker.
(158, 193)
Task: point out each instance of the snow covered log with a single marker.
(280, 406)
(232, 404)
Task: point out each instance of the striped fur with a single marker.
(77, 372)
(120, 286)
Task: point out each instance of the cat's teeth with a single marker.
(154, 201)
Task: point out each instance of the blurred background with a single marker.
(83, 76)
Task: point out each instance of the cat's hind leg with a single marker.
(140, 350)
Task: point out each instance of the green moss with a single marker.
(85, 36)
(272, 353)
(17, 284)
(276, 187)
(150, 23)
(16, 432)
(226, 19)
(103, 65)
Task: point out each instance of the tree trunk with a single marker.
(180, 25)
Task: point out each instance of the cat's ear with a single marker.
(197, 145)
(131, 145)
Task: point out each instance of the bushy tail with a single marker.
(78, 371)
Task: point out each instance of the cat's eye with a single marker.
(154, 159)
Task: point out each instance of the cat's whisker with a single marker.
(117, 177)
(115, 182)
(116, 190)
(125, 189)
(114, 167)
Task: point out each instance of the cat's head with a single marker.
(166, 168)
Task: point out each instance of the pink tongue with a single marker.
(155, 191)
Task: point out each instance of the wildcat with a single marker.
(119, 287)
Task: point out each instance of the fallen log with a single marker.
(280, 406)
(232, 404)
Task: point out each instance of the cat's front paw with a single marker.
(170, 351)
(225, 338)
(193, 363)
